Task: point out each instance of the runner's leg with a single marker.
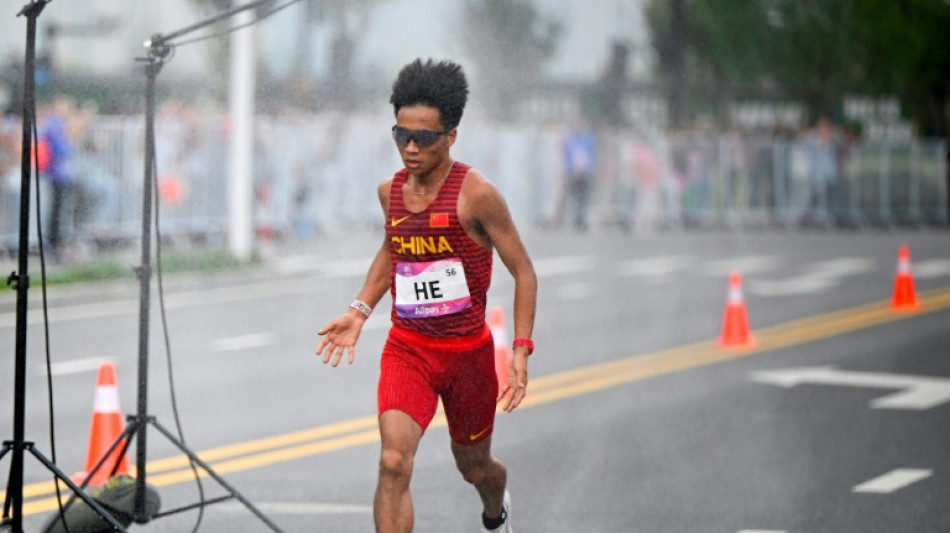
(392, 507)
(486, 473)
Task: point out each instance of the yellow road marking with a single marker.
(542, 390)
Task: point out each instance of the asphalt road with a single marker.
(636, 420)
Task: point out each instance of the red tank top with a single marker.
(440, 277)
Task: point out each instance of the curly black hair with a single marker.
(441, 85)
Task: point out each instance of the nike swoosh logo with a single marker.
(398, 221)
(475, 436)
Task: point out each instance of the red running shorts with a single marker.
(415, 370)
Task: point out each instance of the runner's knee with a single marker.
(474, 470)
(395, 464)
(474, 474)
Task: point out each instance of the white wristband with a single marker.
(361, 306)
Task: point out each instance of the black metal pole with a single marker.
(21, 278)
(152, 69)
(158, 50)
(216, 18)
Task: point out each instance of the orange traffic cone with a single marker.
(499, 331)
(904, 298)
(105, 428)
(735, 323)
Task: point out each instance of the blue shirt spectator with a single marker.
(54, 134)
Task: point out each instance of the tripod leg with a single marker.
(207, 468)
(89, 475)
(123, 438)
(116, 526)
(14, 494)
(7, 446)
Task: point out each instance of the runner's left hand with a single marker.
(516, 388)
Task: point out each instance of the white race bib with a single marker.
(429, 289)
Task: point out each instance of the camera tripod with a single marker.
(21, 283)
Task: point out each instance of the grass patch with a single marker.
(99, 270)
(117, 269)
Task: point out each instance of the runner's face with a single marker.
(421, 160)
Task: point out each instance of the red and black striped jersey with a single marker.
(440, 277)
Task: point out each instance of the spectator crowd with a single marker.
(313, 173)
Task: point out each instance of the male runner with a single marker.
(443, 219)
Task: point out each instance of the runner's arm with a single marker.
(494, 218)
(342, 333)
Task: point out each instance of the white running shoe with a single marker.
(506, 507)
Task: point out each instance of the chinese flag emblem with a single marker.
(439, 220)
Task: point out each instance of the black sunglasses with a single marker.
(422, 137)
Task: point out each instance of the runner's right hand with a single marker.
(341, 335)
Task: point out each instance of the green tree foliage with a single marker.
(814, 55)
(811, 51)
(508, 41)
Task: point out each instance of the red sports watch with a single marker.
(521, 341)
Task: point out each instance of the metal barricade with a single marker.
(321, 171)
(729, 180)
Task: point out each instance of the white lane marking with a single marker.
(654, 267)
(799, 285)
(75, 366)
(844, 266)
(243, 342)
(762, 531)
(916, 392)
(301, 508)
(553, 266)
(931, 268)
(893, 481)
(753, 264)
(817, 277)
(575, 291)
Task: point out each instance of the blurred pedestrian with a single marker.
(842, 190)
(580, 153)
(97, 189)
(10, 148)
(443, 220)
(800, 177)
(55, 135)
(822, 147)
(10, 178)
(698, 148)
